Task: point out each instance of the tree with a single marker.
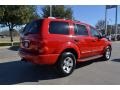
(58, 11)
(101, 26)
(12, 16)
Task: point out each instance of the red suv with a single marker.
(62, 43)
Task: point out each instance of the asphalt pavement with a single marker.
(95, 72)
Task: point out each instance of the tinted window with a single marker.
(80, 30)
(56, 27)
(33, 27)
(94, 32)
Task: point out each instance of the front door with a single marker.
(97, 43)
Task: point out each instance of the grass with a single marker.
(7, 39)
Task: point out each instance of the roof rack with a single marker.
(52, 17)
(76, 20)
(63, 18)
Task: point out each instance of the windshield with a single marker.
(33, 27)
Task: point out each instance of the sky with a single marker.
(92, 13)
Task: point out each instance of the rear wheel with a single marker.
(66, 64)
(107, 53)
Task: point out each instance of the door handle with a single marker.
(93, 40)
(76, 40)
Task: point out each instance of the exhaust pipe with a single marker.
(23, 60)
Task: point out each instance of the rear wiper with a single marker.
(27, 33)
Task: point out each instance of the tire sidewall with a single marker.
(61, 60)
(108, 47)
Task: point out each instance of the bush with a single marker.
(16, 43)
(9, 44)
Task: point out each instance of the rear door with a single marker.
(30, 35)
(81, 39)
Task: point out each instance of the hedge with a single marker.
(9, 44)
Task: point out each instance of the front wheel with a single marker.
(107, 53)
(66, 63)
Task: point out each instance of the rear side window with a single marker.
(33, 27)
(80, 29)
(58, 27)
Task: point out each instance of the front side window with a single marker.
(59, 27)
(80, 29)
(94, 32)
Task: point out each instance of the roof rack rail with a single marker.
(58, 18)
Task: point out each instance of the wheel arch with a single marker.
(110, 46)
(69, 47)
(106, 47)
(72, 50)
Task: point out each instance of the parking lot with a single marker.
(96, 72)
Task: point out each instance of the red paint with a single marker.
(45, 48)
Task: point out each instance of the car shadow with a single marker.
(116, 60)
(86, 63)
(13, 48)
(18, 72)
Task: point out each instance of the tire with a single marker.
(107, 54)
(66, 64)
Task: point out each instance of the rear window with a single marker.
(33, 27)
(58, 27)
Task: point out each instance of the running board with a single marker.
(89, 58)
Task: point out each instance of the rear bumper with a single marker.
(39, 59)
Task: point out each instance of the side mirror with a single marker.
(99, 36)
(104, 36)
